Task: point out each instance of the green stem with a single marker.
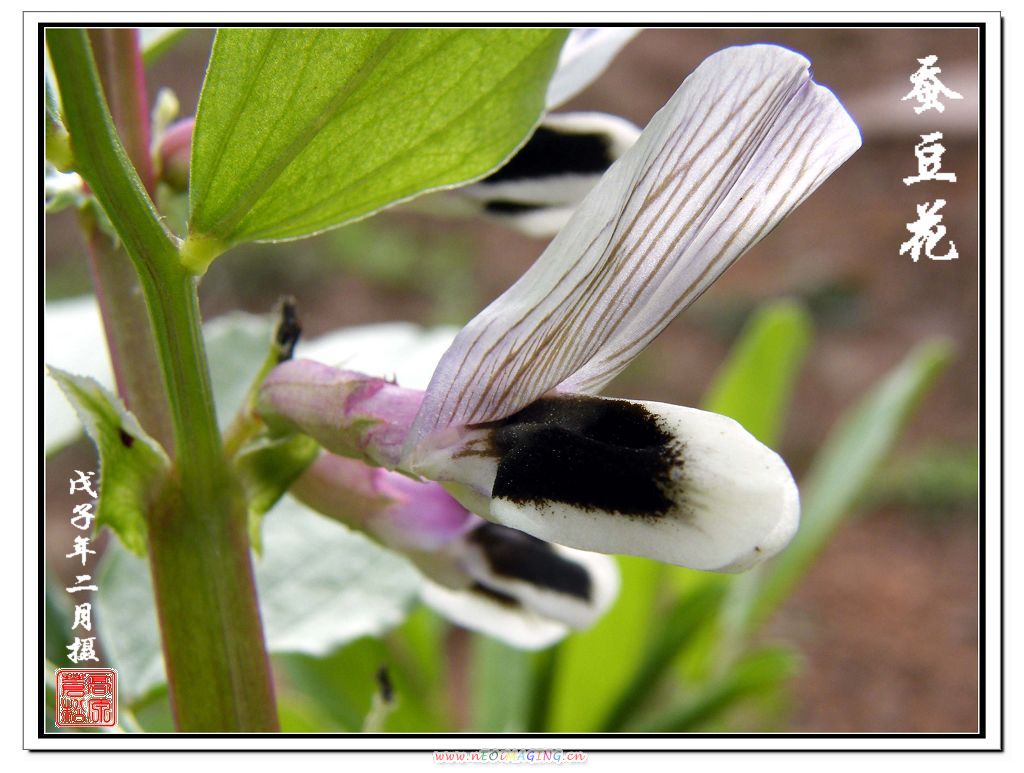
(217, 666)
(130, 342)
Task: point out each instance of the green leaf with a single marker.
(936, 481)
(843, 467)
(320, 586)
(755, 384)
(267, 467)
(595, 666)
(133, 466)
(758, 673)
(688, 616)
(501, 686)
(300, 130)
(340, 687)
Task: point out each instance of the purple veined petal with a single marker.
(742, 142)
(586, 54)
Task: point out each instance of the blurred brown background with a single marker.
(888, 618)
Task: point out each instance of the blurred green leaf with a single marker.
(844, 465)
(689, 615)
(758, 673)
(339, 687)
(157, 41)
(755, 384)
(299, 130)
(153, 710)
(934, 480)
(297, 714)
(57, 621)
(133, 466)
(501, 686)
(320, 586)
(595, 666)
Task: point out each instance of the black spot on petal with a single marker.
(551, 153)
(517, 555)
(509, 207)
(594, 454)
(126, 440)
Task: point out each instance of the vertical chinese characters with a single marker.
(928, 231)
(86, 697)
(82, 649)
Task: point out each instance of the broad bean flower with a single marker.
(511, 424)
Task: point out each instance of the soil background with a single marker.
(888, 618)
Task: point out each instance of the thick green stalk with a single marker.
(217, 666)
(125, 318)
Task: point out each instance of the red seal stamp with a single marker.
(86, 697)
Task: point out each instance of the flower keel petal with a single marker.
(675, 484)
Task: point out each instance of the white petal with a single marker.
(74, 342)
(585, 55)
(743, 141)
(478, 611)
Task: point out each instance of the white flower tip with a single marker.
(492, 614)
(675, 484)
(786, 504)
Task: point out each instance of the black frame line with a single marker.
(983, 602)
